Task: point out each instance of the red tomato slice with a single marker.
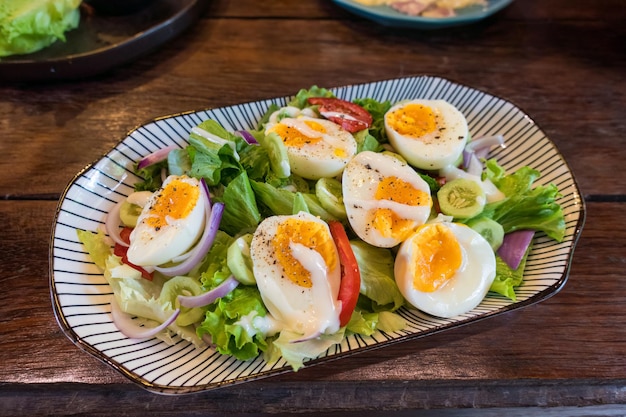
(350, 275)
(350, 116)
(122, 251)
(125, 234)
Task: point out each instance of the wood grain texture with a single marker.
(561, 62)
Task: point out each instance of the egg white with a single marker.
(155, 246)
(304, 311)
(323, 158)
(466, 288)
(360, 180)
(432, 149)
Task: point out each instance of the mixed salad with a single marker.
(425, 8)
(320, 222)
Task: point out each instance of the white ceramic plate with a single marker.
(387, 16)
(81, 295)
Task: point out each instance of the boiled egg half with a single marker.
(385, 199)
(169, 224)
(445, 269)
(297, 271)
(429, 134)
(316, 147)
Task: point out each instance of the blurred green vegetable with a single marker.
(27, 26)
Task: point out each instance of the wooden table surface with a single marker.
(562, 62)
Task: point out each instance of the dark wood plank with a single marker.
(562, 72)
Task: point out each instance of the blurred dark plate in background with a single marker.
(103, 41)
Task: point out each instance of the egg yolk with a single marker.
(386, 221)
(389, 224)
(310, 234)
(395, 189)
(436, 257)
(414, 120)
(340, 153)
(293, 137)
(175, 201)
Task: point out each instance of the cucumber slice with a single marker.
(239, 261)
(328, 192)
(461, 198)
(181, 285)
(491, 230)
(129, 213)
(277, 152)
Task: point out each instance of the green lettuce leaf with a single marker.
(362, 322)
(300, 100)
(216, 163)
(366, 142)
(28, 26)
(377, 109)
(297, 353)
(179, 162)
(255, 160)
(508, 279)
(150, 177)
(224, 320)
(280, 201)
(96, 246)
(214, 266)
(377, 281)
(240, 209)
(524, 207)
(223, 324)
(391, 322)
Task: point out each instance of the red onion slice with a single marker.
(112, 224)
(514, 246)
(209, 297)
(155, 157)
(214, 216)
(485, 142)
(472, 164)
(129, 328)
(247, 136)
(479, 148)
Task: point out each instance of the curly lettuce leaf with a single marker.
(367, 324)
(508, 279)
(300, 100)
(139, 297)
(377, 109)
(223, 321)
(150, 177)
(29, 26)
(215, 162)
(223, 324)
(524, 207)
(214, 266)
